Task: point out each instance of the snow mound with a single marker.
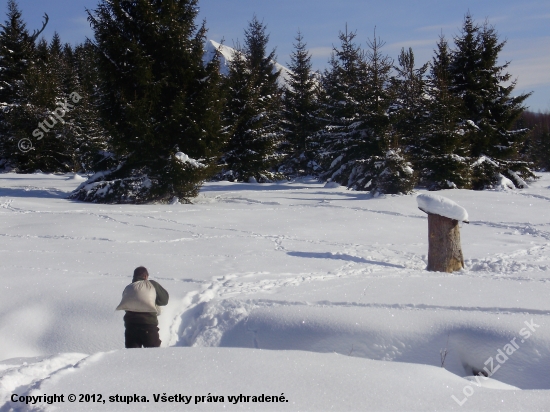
(485, 382)
(317, 293)
(177, 379)
(331, 185)
(21, 374)
(504, 183)
(439, 205)
(175, 201)
(76, 177)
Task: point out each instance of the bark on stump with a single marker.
(445, 251)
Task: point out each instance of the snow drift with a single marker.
(317, 293)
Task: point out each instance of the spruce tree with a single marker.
(85, 63)
(357, 147)
(302, 111)
(409, 111)
(91, 142)
(54, 115)
(389, 168)
(16, 51)
(345, 81)
(24, 91)
(159, 104)
(243, 155)
(253, 110)
(345, 87)
(536, 148)
(440, 155)
(488, 105)
(16, 55)
(97, 154)
(43, 92)
(410, 87)
(540, 149)
(78, 139)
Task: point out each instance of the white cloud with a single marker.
(413, 43)
(531, 72)
(82, 21)
(320, 51)
(451, 29)
(438, 28)
(78, 28)
(540, 16)
(530, 61)
(492, 20)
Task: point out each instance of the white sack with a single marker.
(139, 296)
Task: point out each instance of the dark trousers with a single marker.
(140, 335)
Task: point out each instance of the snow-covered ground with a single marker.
(316, 297)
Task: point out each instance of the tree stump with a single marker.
(445, 251)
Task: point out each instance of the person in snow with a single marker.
(142, 300)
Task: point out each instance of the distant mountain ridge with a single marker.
(227, 54)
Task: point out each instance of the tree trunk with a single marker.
(445, 252)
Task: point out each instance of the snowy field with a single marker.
(315, 297)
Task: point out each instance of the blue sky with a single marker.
(400, 23)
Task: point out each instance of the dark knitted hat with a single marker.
(140, 273)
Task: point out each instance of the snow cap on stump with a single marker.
(439, 205)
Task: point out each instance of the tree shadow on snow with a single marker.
(35, 192)
(342, 256)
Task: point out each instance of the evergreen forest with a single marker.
(142, 113)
